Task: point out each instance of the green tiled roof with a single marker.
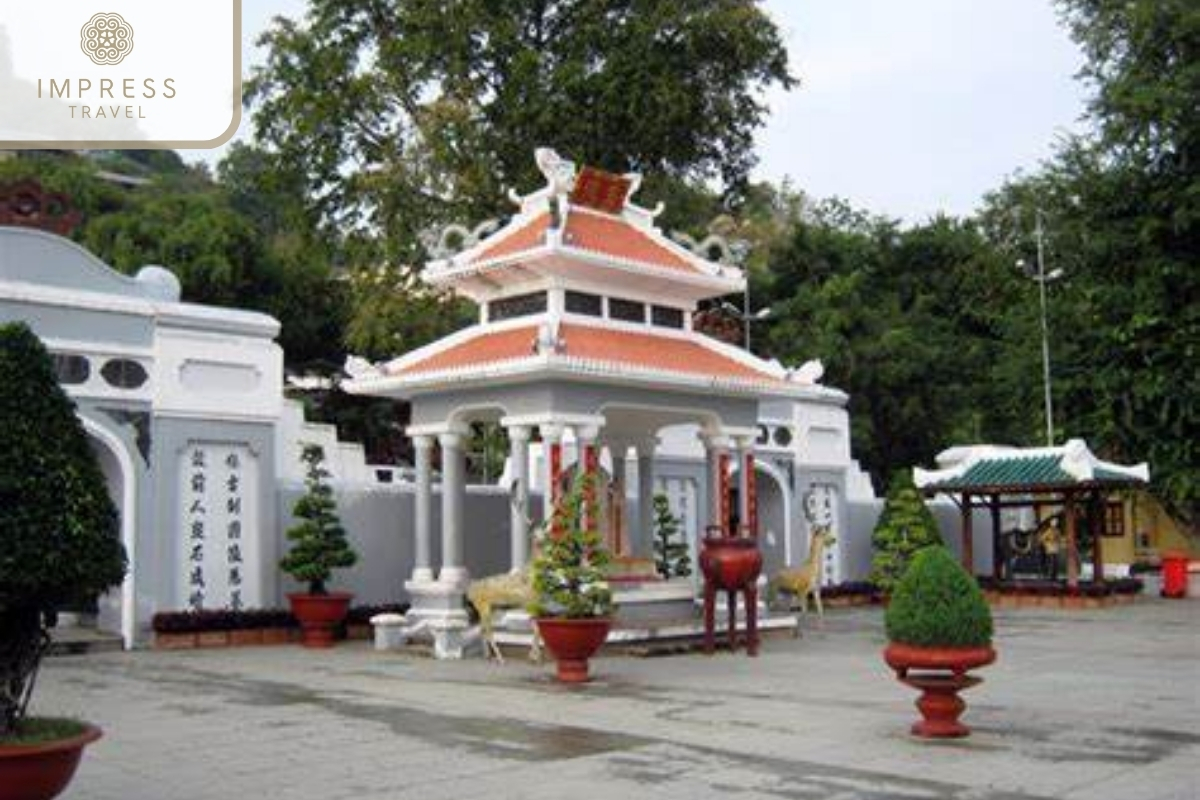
(1022, 472)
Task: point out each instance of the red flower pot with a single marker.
(319, 616)
(939, 673)
(41, 771)
(572, 642)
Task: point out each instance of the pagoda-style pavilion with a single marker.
(1069, 478)
(585, 333)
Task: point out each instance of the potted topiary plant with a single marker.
(939, 628)
(319, 546)
(59, 544)
(573, 605)
(671, 559)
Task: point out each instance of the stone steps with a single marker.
(75, 640)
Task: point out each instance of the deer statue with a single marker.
(512, 589)
(509, 590)
(804, 581)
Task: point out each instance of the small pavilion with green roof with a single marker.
(1069, 477)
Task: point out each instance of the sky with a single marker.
(906, 108)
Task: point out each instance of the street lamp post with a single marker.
(1042, 278)
(740, 250)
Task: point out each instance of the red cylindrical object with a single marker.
(1174, 575)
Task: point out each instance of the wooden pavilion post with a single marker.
(997, 555)
(1069, 529)
(968, 546)
(1096, 522)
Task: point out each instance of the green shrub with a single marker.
(905, 526)
(569, 573)
(60, 540)
(937, 604)
(319, 543)
(671, 559)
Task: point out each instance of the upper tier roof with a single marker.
(582, 228)
(522, 350)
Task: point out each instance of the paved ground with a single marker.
(1100, 704)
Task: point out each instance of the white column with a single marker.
(422, 510)
(518, 453)
(645, 499)
(454, 495)
(552, 434)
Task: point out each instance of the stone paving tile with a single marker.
(1096, 705)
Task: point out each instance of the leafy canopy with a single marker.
(399, 113)
(569, 572)
(319, 543)
(1122, 209)
(937, 604)
(59, 531)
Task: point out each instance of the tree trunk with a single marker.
(23, 642)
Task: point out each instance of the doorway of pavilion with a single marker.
(113, 611)
(774, 524)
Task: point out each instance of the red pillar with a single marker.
(751, 495)
(968, 539)
(724, 488)
(555, 487)
(590, 461)
(556, 471)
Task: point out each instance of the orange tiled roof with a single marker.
(633, 348)
(609, 235)
(616, 237)
(484, 348)
(531, 235)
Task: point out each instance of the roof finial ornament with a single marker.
(441, 244)
(809, 373)
(560, 177)
(705, 247)
(358, 368)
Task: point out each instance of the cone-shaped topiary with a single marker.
(319, 540)
(60, 537)
(937, 604)
(671, 559)
(905, 526)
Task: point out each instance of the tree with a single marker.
(1122, 205)
(312, 301)
(405, 114)
(920, 325)
(671, 558)
(905, 527)
(59, 531)
(319, 543)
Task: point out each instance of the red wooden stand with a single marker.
(730, 564)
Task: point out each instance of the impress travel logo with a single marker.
(76, 76)
(106, 39)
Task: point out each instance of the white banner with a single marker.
(119, 73)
